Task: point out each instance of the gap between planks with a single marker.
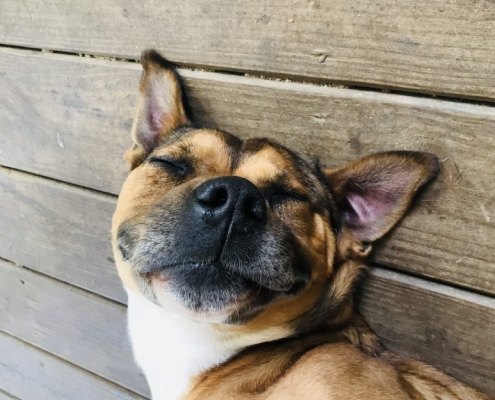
(7, 396)
(276, 80)
(70, 365)
(121, 305)
(485, 300)
(71, 187)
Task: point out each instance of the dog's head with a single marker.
(247, 233)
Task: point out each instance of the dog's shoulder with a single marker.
(334, 371)
(339, 371)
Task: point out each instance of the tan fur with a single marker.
(323, 372)
(335, 357)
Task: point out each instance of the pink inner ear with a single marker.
(373, 193)
(366, 211)
(155, 114)
(148, 132)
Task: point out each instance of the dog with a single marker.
(241, 258)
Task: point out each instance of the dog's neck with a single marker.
(173, 350)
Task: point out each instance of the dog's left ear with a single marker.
(160, 108)
(374, 193)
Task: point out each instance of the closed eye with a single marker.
(280, 196)
(178, 167)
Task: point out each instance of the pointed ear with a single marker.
(160, 108)
(374, 193)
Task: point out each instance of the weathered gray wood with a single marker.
(53, 128)
(59, 230)
(68, 118)
(31, 374)
(6, 396)
(429, 46)
(78, 327)
(451, 330)
(437, 324)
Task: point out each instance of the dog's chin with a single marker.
(207, 292)
(176, 305)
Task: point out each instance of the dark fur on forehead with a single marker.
(231, 142)
(335, 215)
(175, 135)
(313, 178)
(310, 174)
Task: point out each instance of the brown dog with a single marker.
(240, 259)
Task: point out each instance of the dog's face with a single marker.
(245, 232)
(217, 226)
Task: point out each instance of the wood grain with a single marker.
(434, 323)
(78, 327)
(54, 128)
(425, 322)
(68, 118)
(58, 230)
(31, 374)
(428, 46)
(6, 396)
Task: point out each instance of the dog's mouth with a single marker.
(210, 287)
(222, 272)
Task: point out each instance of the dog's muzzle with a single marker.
(231, 205)
(213, 246)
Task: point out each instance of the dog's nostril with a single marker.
(220, 197)
(231, 199)
(214, 197)
(253, 207)
(208, 215)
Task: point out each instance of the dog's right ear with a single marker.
(374, 193)
(160, 108)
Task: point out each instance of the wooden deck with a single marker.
(308, 73)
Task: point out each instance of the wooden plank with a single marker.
(6, 396)
(451, 330)
(29, 373)
(429, 46)
(80, 328)
(54, 120)
(437, 324)
(79, 132)
(59, 230)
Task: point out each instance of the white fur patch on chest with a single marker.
(171, 349)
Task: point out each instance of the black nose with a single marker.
(233, 200)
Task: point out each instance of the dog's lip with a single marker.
(179, 265)
(164, 273)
